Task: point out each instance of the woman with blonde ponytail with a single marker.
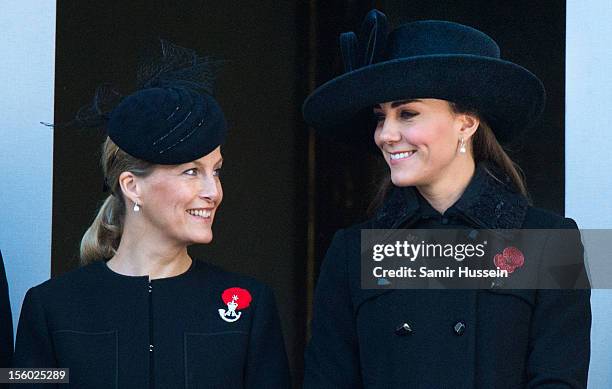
(141, 313)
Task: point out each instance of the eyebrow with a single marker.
(398, 103)
(198, 163)
(402, 102)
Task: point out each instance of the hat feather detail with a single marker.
(369, 47)
(178, 66)
(348, 48)
(375, 27)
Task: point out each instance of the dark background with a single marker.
(286, 190)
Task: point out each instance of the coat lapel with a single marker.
(488, 202)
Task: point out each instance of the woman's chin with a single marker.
(202, 238)
(399, 179)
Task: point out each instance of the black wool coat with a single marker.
(462, 338)
(6, 321)
(117, 331)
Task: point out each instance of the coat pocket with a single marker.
(92, 357)
(215, 359)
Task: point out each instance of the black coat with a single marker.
(116, 331)
(6, 321)
(486, 338)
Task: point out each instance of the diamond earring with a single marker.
(136, 207)
(462, 146)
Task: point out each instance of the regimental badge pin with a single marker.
(236, 299)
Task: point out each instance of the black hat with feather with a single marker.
(425, 59)
(172, 118)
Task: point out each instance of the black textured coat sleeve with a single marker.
(33, 345)
(560, 340)
(267, 365)
(332, 355)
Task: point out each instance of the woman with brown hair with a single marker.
(443, 100)
(142, 313)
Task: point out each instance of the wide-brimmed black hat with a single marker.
(426, 59)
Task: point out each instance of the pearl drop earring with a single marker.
(462, 146)
(136, 207)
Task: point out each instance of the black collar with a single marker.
(485, 203)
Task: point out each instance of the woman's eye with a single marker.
(379, 117)
(217, 172)
(191, 172)
(407, 114)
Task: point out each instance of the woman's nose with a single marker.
(389, 132)
(210, 189)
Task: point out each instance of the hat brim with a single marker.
(509, 97)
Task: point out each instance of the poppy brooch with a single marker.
(236, 299)
(510, 259)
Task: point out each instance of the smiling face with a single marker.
(420, 139)
(178, 202)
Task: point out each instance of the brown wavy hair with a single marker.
(485, 147)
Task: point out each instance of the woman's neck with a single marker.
(448, 188)
(138, 255)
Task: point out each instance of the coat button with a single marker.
(459, 328)
(445, 220)
(497, 283)
(403, 330)
(473, 234)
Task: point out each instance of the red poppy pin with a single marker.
(236, 299)
(510, 259)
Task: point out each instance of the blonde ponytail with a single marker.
(102, 238)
